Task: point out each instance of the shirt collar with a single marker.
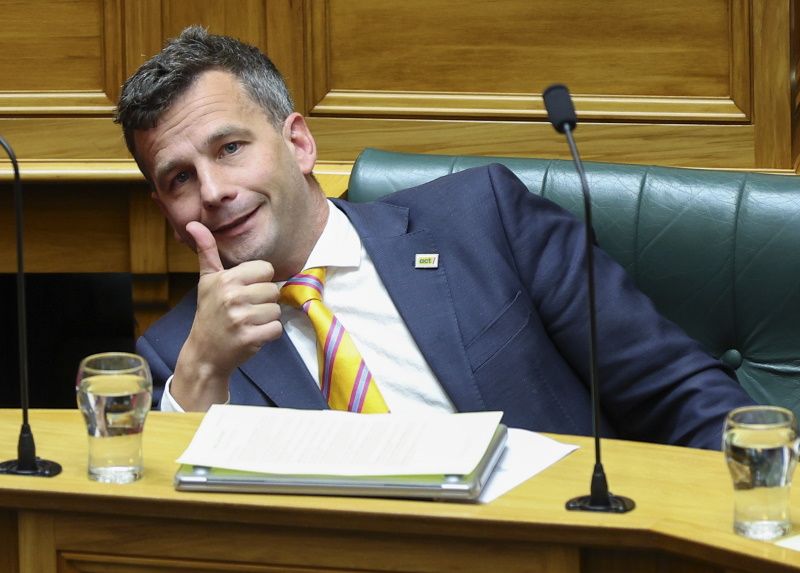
(339, 244)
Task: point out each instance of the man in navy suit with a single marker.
(464, 294)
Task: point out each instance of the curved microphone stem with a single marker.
(27, 463)
(562, 115)
(599, 499)
(594, 375)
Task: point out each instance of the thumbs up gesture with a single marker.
(237, 314)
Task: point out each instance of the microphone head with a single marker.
(559, 106)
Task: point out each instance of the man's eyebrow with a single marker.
(227, 131)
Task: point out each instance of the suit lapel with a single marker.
(280, 373)
(422, 296)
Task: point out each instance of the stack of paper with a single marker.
(436, 456)
(328, 442)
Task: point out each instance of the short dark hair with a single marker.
(160, 81)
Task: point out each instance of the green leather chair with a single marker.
(717, 251)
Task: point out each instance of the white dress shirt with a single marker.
(356, 295)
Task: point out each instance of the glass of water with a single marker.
(760, 445)
(114, 394)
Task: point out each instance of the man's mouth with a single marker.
(230, 228)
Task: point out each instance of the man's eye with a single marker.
(231, 147)
(182, 177)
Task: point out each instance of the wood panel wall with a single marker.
(702, 83)
(697, 83)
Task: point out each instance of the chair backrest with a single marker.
(717, 251)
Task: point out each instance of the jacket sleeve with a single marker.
(162, 342)
(656, 384)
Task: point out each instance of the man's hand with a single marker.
(237, 314)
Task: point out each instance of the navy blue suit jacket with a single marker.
(503, 320)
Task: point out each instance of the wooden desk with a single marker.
(68, 524)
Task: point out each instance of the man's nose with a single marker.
(214, 188)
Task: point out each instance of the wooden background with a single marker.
(694, 83)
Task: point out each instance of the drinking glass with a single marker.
(114, 392)
(760, 445)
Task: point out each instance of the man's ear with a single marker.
(301, 142)
(164, 212)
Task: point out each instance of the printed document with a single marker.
(327, 442)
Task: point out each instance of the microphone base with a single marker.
(615, 504)
(40, 468)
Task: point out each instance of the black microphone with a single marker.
(27, 463)
(561, 113)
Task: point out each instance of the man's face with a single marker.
(215, 158)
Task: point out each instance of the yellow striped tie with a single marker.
(345, 380)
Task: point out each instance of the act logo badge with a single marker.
(426, 261)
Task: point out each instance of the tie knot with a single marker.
(306, 286)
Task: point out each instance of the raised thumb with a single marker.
(206, 247)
